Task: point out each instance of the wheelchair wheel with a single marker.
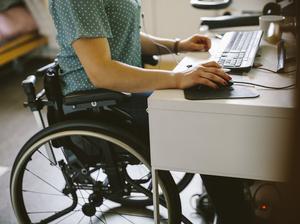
(182, 180)
(68, 190)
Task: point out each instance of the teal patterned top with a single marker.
(5, 4)
(116, 20)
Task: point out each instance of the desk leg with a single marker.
(155, 195)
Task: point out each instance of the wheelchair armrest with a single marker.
(149, 60)
(34, 100)
(50, 67)
(29, 89)
(96, 95)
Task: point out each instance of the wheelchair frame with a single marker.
(92, 100)
(36, 102)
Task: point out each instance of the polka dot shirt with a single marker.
(116, 20)
(5, 4)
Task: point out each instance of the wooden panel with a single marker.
(14, 52)
(16, 41)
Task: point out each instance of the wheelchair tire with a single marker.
(185, 181)
(31, 150)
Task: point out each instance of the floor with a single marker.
(18, 125)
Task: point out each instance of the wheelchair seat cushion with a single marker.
(94, 95)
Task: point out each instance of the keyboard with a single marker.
(239, 50)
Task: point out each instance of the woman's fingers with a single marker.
(212, 64)
(210, 74)
(217, 71)
(207, 82)
(198, 47)
(214, 78)
(199, 39)
(207, 42)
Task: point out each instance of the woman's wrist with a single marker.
(176, 49)
(177, 80)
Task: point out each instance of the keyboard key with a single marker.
(240, 49)
(238, 62)
(230, 44)
(222, 60)
(241, 55)
(227, 62)
(233, 55)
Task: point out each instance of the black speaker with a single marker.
(283, 7)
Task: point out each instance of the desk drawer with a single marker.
(220, 144)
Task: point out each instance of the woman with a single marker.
(101, 47)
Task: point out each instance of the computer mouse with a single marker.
(221, 87)
(229, 84)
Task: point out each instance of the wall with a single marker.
(165, 18)
(172, 18)
(177, 18)
(39, 10)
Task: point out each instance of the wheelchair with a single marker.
(87, 159)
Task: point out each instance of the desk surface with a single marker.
(270, 102)
(247, 138)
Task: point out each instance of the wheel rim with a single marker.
(81, 194)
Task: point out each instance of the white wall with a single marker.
(172, 18)
(39, 10)
(177, 18)
(165, 18)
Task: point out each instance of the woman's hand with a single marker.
(196, 42)
(210, 74)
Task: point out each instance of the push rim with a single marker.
(20, 207)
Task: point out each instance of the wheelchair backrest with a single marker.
(53, 91)
(52, 86)
(80, 104)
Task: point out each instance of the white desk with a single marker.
(244, 138)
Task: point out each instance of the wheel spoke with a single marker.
(75, 211)
(99, 219)
(48, 212)
(47, 159)
(128, 214)
(102, 214)
(177, 177)
(43, 193)
(147, 175)
(145, 191)
(46, 182)
(42, 212)
(57, 214)
(50, 194)
(124, 217)
(150, 186)
(81, 219)
(82, 195)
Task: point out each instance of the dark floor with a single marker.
(18, 125)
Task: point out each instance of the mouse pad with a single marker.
(233, 92)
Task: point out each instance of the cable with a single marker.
(263, 86)
(269, 70)
(158, 45)
(145, 31)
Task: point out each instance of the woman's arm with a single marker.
(157, 46)
(94, 54)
